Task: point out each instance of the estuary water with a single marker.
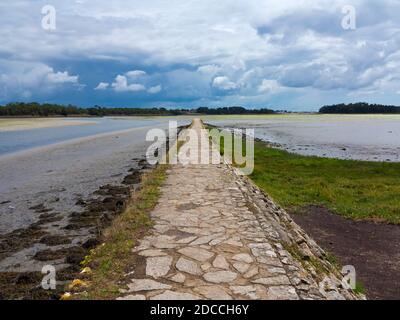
(357, 137)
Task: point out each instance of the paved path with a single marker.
(209, 243)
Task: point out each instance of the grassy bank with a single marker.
(109, 261)
(354, 189)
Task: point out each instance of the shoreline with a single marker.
(23, 124)
(106, 203)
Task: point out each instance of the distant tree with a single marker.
(359, 108)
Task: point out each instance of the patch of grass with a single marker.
(109, 261)
(359, 289)
(354, 189)
(360, 190)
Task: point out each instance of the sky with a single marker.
(295, 54)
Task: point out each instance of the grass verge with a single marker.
(109, 261)
(359, 190)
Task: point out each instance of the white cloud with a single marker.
(135, 73)
(209, 69)
(102, 86)
(269, 86)
(61, 77)
(223, 83)
(155, 89)
(300, 44)
(121, 85)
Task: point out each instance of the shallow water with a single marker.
(14, 141)
(56, 167)
(358, 137)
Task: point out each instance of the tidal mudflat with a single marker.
(357, 137)
(16, 124)
(55, 198)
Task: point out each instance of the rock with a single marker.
(273, 281)
(146, 285)
(174, 295)
(220, 262)
(133, 297)
(198, 254)
(158, 266)
(251, 273)
(203, 240)
(220, 276)
(282, 293)
(179, 278)
(243, 257)
(152, 253)
(188, 266)
(213, 292)
(242, 267)
(247, 291)
(205, 266)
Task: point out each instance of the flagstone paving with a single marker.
(217, 236)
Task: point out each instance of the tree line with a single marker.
(233, 110)
(360, 107)
(46, 109)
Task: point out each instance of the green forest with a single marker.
(360, 107)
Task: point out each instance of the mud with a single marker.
(372, 248)
(63, 240)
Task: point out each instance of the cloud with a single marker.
(222, 51)
(155, 89)
(121, 85)
(223, 83)
(209, 69)
(269, 86)
(135, 73)
(61, 77)
(102, 86)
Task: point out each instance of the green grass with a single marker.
(109, 261)
(355, 189)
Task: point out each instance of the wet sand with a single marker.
(10, 124)
(54, 201)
